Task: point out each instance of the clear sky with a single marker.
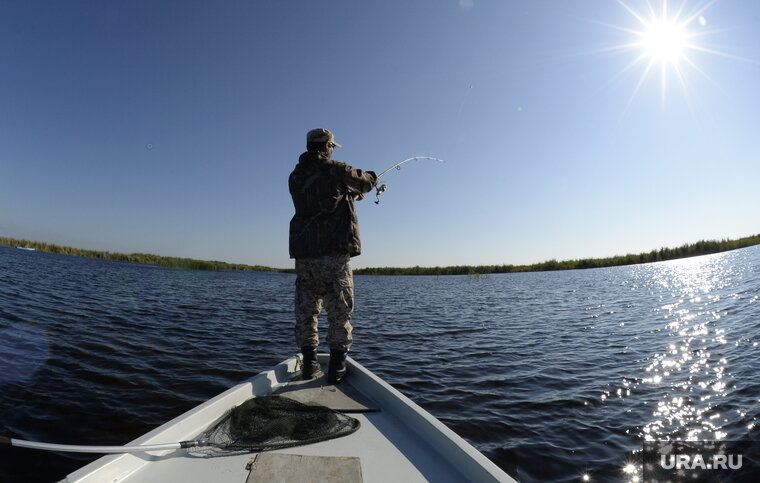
(569, 129)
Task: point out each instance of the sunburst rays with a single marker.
(665, 38)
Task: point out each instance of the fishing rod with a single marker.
(75, 448)
(381, 188)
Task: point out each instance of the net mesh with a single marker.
(271, 422)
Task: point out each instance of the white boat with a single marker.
(397, 441)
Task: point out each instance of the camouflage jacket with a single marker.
(323, 192)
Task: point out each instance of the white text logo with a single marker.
(698, 462)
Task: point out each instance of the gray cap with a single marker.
(321, 135)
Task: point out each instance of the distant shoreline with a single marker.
(685, 251)
(146, 258)
(703, 247)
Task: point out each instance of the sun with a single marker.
(665, 38)
(665, 41)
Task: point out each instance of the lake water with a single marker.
(552, 375)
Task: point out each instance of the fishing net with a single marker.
(272, 422)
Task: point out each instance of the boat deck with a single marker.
(397, 440)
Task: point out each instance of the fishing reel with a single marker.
(378, 191)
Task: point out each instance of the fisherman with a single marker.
(324, 235)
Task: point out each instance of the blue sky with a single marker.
(171, 127)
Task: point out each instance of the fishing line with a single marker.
(381, 188)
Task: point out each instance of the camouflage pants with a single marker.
(331, 280)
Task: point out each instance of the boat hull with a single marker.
(397, 440)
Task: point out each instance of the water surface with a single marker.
(552, 375)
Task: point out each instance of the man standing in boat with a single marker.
(324, 235)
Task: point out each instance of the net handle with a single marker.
(76, 448)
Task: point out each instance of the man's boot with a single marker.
(311, 367)
(337, 368)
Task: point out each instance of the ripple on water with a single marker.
(552, 375)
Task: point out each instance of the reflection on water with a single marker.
(579, 368)
(555, 376)
(691, 375)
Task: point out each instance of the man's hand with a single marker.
(355, 195)
(374, 177)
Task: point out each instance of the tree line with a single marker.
(146, 258)
(703, 247)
